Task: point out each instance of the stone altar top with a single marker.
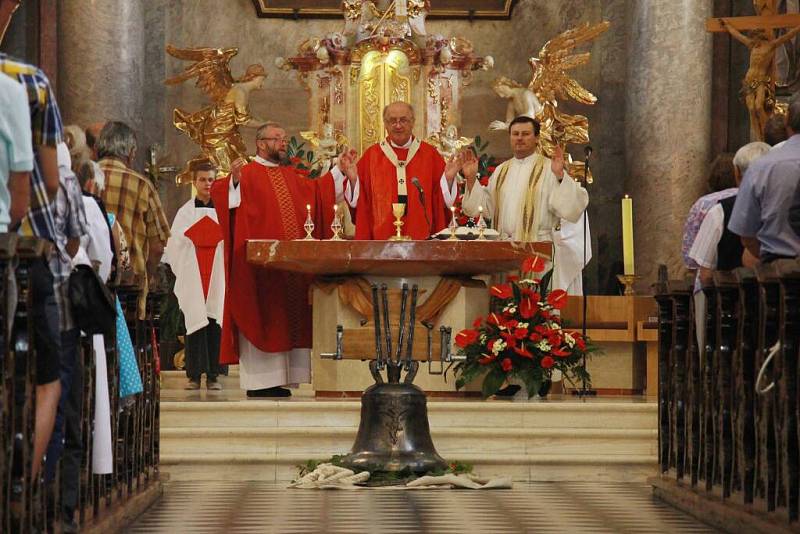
(393, 258)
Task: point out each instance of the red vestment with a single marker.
(378, 178)
(270, 308)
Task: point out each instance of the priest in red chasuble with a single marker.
(266, 325)
(403, 169)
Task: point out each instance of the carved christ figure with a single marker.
(757, 87)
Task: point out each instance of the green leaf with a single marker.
(492, 382)
(310, 156)
(531, 383)
(300, 153)
(477, 141)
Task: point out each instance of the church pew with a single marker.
(729, 448)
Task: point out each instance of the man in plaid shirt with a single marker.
(134, 200)
(46, 132)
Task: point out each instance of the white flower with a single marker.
(543, 346)
(483, 338)
(498, 346)
(554, 326)
(522, 325)
(569, 340)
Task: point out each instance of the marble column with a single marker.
(101, 61)
(667, 124)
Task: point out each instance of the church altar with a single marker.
(451, 276)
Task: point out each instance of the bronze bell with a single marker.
(394, 434)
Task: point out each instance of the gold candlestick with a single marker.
(336, 225)
(398, 210)
(308, 226)
(453, 226)
(628, 280)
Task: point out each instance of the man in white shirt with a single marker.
(16, 152)
(531, 198)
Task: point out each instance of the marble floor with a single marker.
(542, 507)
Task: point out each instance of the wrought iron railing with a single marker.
(135, 427)
(721, 434)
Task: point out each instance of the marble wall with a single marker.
(190, 23)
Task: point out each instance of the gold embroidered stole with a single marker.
(400, 166)
(529, 222)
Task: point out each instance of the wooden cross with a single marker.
(758, 88)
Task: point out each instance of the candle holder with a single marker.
(336, 225)
(398, 210)
(308, 226)
(481, 224)
(628, 280)
(453, 226)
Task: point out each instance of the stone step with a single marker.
(176, 380)
(320, 442)
(442, 414)
(520, 467)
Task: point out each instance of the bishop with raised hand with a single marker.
(531, 198)
(399, 169)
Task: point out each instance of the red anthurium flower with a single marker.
(502, 291)
(548, 362)
(494, 319)
(535, 337)
(557, 298)
(527, 308)
(545, 315)
(561, 353)
(520, 333)
(522, 351)
(512, 323)
(512, 278)
(542, 329)
(462, 221)
(580, 343)
(509, 338)
(486, 359)
(466, 338)
(534, 264)
(554, 340)
(477, 322)
(506, 364)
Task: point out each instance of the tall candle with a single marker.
(627, 234)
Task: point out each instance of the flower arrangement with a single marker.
(301, 159)
(522, 337)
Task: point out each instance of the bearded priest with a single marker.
(531, 198)
(266, 325)
(399, 169)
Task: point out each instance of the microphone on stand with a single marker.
(415, 183)
(587, 152)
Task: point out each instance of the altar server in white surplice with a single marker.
(531, 198)
(195, 253)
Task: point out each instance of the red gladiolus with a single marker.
(485, 359)
(534, 264)
(466, 338)
(522, 351)
(506, 364)
(557, 298)
(527, 308)
(502, 291)
(548, 362)
(520, 333)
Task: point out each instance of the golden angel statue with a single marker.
(550, 82)
(326, 148)
(448, 143)
(216, 127)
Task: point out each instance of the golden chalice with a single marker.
(398, 210)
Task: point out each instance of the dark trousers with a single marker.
(66, 441)
(202, 352)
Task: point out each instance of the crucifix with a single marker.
(758, 86)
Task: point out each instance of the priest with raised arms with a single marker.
(266, 325)
(399, 169)
(531, 198)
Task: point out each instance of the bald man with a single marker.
(399, 169)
